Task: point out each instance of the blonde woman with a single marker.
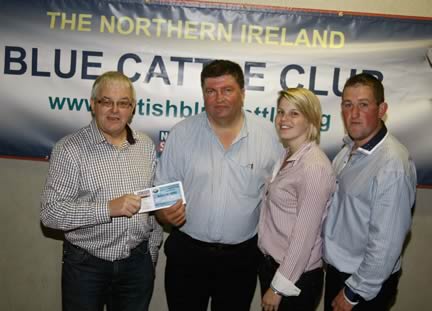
(293, 208)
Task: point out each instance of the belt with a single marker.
(143, 244)
(215, 246)
(133, 251)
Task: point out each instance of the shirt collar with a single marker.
(370, 146)
(304, 148)
(243, 131)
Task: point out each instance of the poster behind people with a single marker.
(51, 52)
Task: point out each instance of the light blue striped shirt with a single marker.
(223, 188)
(371, 212)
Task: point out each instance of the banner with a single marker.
(51, 52)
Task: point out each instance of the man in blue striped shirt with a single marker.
(370, 215)
(222, 156)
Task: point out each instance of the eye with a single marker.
(364, 105)
(227, 91)
(294, 113)
(106, 102)
(123, 103)
(346, 105)
(209, 92)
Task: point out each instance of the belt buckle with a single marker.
(217, 247)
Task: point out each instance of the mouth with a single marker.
(113, 118)
(284, 127)
(221, 106)
(355, 123)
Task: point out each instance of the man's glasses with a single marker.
(109, 103)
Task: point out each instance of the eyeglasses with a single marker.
(109, 103)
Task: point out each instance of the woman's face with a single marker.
(291, 125)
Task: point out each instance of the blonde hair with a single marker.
(109, 77)
(309, 105)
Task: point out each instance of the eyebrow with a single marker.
(106, 97)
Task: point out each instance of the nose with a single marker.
(283, 116)
(219, 96)
(114, 107)
(355, 111)
(286, 116)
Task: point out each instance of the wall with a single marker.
(30, 260)
(396, 7)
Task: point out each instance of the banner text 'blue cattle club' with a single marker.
(51, 52)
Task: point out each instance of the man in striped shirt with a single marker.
(222, 156)
(110, 249)
(371, 210)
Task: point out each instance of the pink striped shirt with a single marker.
(294, 206)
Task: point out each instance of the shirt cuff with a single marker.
(284, 286)
(102, 213)
(350, 296)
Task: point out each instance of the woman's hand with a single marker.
(271, 301)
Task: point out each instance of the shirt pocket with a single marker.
(248, 180)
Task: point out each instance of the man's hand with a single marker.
(340, 303)
(271, 301)
(126, 205)
(174, 215)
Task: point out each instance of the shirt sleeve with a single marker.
(314, 192)
(60, 207)
(156, 237)
(156, 230)
(168, 168)
(390, 221)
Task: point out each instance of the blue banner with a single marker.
(51, 52)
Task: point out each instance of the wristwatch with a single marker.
(276, 291)
(352, 297)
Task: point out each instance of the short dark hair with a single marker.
(222, 67)
(367, 79)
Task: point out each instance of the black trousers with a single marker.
(335, 281)
(310, 283)
(197, 272)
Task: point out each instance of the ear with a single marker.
(243, 92)
(134, 108)
(382, 109)
(92, 106)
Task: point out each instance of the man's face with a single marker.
(112, 109)
(223, 99)
(361, 113)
